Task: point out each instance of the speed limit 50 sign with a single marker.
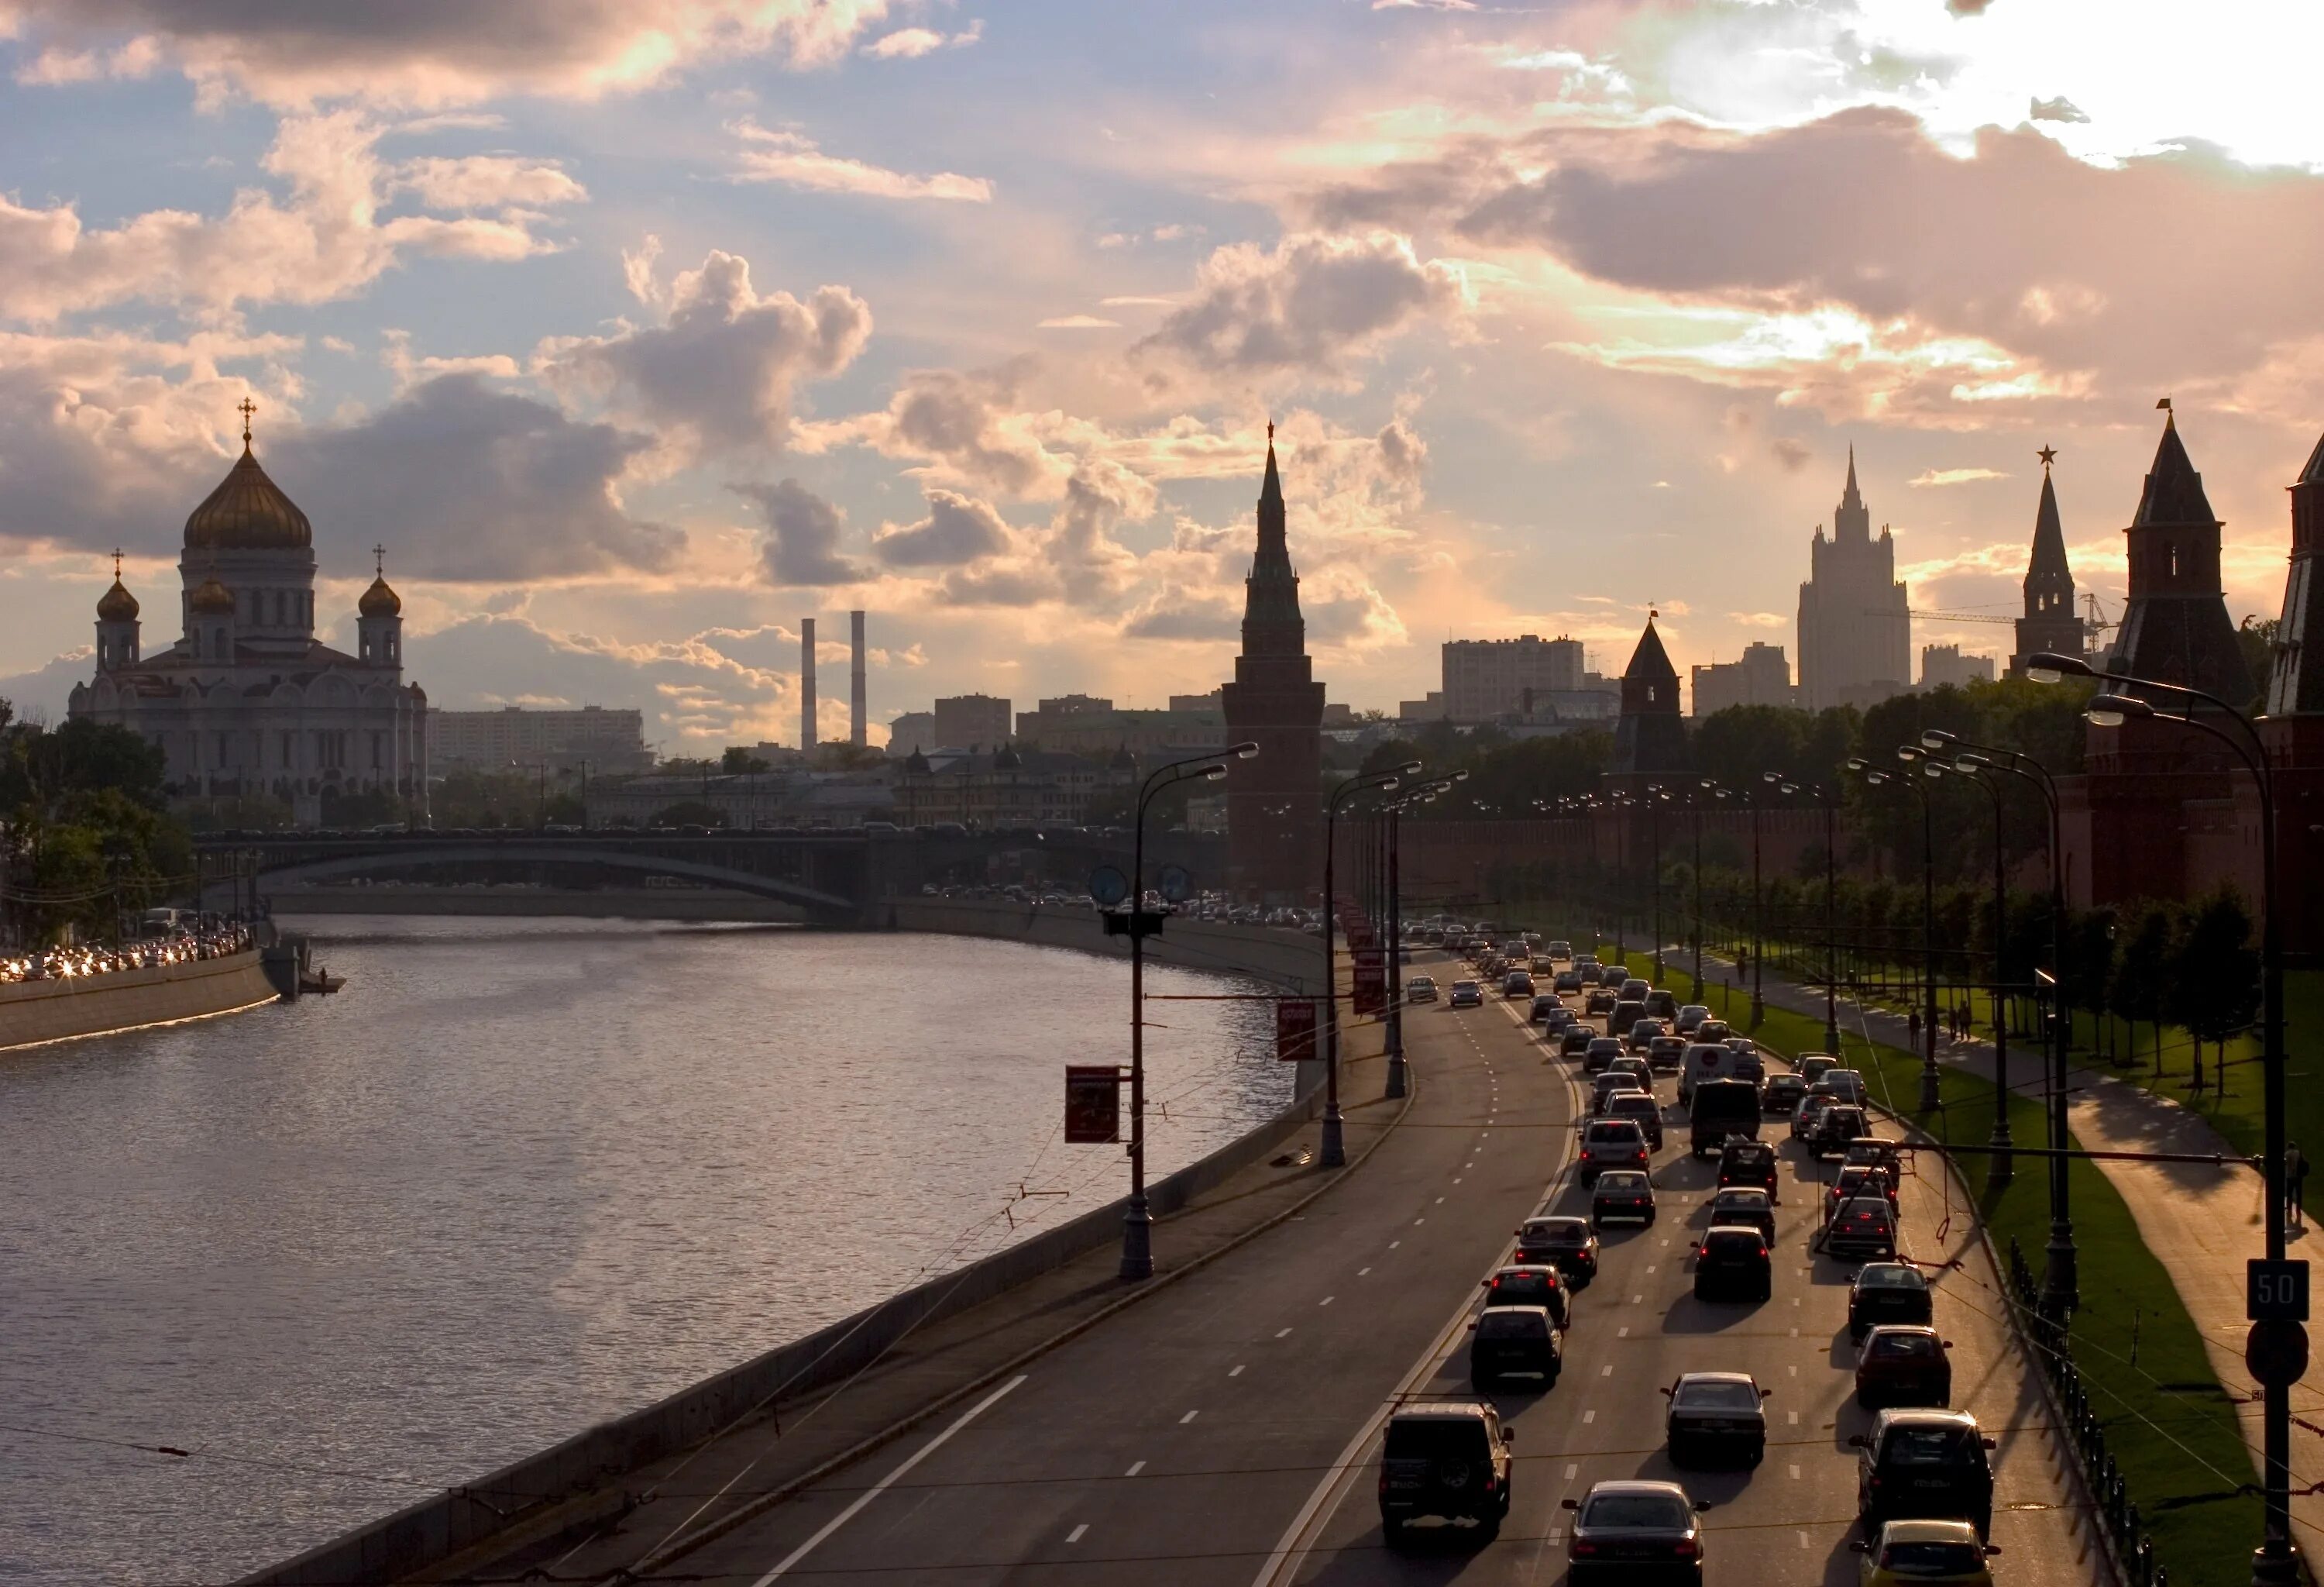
(2275, 1291)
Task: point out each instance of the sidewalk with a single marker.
(2204, 1222)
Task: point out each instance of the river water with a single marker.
(519, 1177)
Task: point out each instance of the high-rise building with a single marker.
(2048, 623)
(1488, 677)
(971, 722)
(855, 707)
(912, 730)
(1650, 735)
(1274, 815)
(1944, 664)
(1855, 626)
(1762, 676)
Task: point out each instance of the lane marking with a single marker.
(1189, 1416)
(1279, 1332)
(1417, 1222)
(1588, 1418)
(1075, 1534)
(1327, 1300)
(1572, 1472)
(1623, 1331)
(1606, 1371)
(1793, 1419)
(1637, 1300)
(1804, 1540)
(885, 1482)
(1794, 1472)
(1440, 1201)
(1135, 1467)
(1394, 1243)
(1650, 1267)
(1236, 1373)
(1361, 1272)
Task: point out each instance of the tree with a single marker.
(689, 813)
(2134, 992)
(740, 761)
(2214, 984)
(2258, 636)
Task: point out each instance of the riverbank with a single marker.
(35, 1012)
(610, 903)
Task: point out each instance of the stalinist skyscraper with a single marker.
(1855, 630)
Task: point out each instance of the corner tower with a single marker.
(2048, 623)
(1650, 736)
(2175, 628)
(1274, 817)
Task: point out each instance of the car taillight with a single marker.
(1582, 1547)
(1684, 1548)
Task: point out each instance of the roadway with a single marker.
(1225, 1431)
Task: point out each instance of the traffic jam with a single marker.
(1688, 1141)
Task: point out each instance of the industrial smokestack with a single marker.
(855, 680)
(806, 685)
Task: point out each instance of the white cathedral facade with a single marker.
(246, 701)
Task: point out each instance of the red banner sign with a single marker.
(1295, 1030)
(1093, 1104)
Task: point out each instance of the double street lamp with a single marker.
(2003, 1170)
(1137, 1221)
(1393, 813)
(1334, 1148)
(1824, 797)
(1930, 1089)
(2275, 1563)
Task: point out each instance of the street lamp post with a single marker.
(1334, 1150)
(1830, 803)
(1137, 1221)
(1654, 868)
(1758, 921)
(2003, 1171)
(2276, 1562)
(1930, 1090)
(1394, 815)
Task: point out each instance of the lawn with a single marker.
(2170, 1426)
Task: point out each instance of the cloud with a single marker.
(911, 43)
(1929, 477)
(958, 530)
(2058, 109)
(719, 374)
(1309, 305)
(967, 422)
(792, 159)
(433, 54)
(325, 241)
(486, 181)
(1174, 614)
(1079, 322)
(395, 354)
(1790, 452)
(803, 531)
(1403, 454)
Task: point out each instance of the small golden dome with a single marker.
(213, 599)
(117, 605)
(380, 601)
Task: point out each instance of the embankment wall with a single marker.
(36, 1011)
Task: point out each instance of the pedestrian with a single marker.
(1913, 1025)
(2295, 1174)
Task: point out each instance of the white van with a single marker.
(1704, 1060)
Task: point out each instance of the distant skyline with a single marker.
(638, 333)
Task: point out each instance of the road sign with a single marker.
(1174, 884)
(1093, 1104)
(2275, 1292)
(1108, 886)
(1294, 1029)
(2276, 1353)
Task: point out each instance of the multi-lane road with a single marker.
(1226, 1431)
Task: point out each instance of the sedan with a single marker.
(1623, 1193)
(1601, 1051)
(1864, 1229)
(1560, 1020)
(1749, 1207)
(1420, 989)
(1517, 984)
(1532, 1284)
(1888, 1292)
(1781, 1095)
(1734, 1260)
(1641, 1106)
(1903, 1364)
(1925, 1554)
(1468, 994)
(1633, 1533)
(1544, 1005)
(1609, 1085)
(1717, 1412)
(1663, 1051)
(1569, 981)
(1690, 1016)
(1853, 1183)
(1568, 1245)
(1804, 1121)
(1575, 1040)
(1601, 1000)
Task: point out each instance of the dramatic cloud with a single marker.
(720, 372)
(425, 53)
(792, 159)
(958, 530)
(1307, 306)
(803, 531)
(325, 241)
(968, 422)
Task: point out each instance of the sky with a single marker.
(638, 330)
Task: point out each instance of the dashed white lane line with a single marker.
(1795, 1371)
(1792, 1418)
(1417, 1222)
(1327, 1300)
(783, 1566)
(1135, 1467)
(1572, 1472)
(1588, 1418)
(1650, 1267)
(1189, 1416)
(1622, 1333)
(1235, 1372)
(1394, 1243)
(1361, 1272)
(1440, 1201)
(1282, 1333)
(1606, 1371)
(1075, 1534)
(1796, 1333)
(1638, 1300)
(1794, 1472)
(1456, 1180)
(1804, 1540)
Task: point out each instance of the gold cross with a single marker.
(378, 560)
(246, 407)
(117, 564)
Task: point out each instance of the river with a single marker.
(519, 1177)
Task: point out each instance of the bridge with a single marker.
(837, 877)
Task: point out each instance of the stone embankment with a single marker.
(36, 1011)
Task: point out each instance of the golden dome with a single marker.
(247, 512)
(117, 605)
(379, 601)
(213, 599)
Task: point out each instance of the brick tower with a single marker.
(1274, 809)
(2048, 623)
(2293, 730)
(1650, 735)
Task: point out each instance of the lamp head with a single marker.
(1214, 774)
(1857, 763)
(1771, 776)
(1410, 768)
(1460, 776)
(1243, 752)
(2049, 667)
(1971, 761)
(2112, 710)
(1936, 738)
(1933, 770)
(1908, 754)
(1391, 785)
(1790, 787)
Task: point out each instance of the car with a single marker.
(1641, 1106)
(1452, 1460)
(1811, 1066)
(1925, 1554)
(1599, 1002)
(1611, 1083)
(1744, 1163)
(1635, 1067)
(1532, 1284)
(1623, 1193)
(1468, 994)
(1690, 1017)
(1734, 1260)
(1633, 1533)
(1544, 1003)
(1781, 1094)
(1513, 1341)
(1714, 1029)
(1575, 1040)
(1568, 982)
(1875, 1151)
(1517, 984)
(1840, 1123)
(1560, 949)
(1719, 1111)
(1623, 1020)
(1864, 1229)
(1852, 1183)
(1811, 1111)
(1559, 1021)
(1888, 1292)
(1542, 964)
(1639, 1035)
(1634, 989)
(1601, 1051)
(1662, 1052)
(1904, 1363)
(1663, 1005)
(1714, 1413)
(1847, 1085)
(1748, 1063)
(1420, 989)
(1734, 1205)
(1592, 972)
(1924, 1465)
(1567, 1243)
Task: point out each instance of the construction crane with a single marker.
(2094, 620)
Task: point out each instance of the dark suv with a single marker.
(1513, 1341)
(1924, 1465)
(1451, 1460)
(1567, 1243)
(1733, 1259)
(1842, 1123)
(1748, 1163)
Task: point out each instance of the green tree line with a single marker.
(84, 831)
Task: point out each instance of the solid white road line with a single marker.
(884, 1483)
